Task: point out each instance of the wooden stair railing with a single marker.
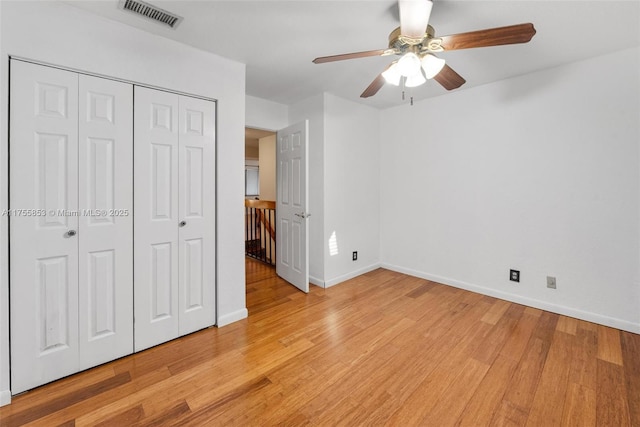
(260, 206)
(260, 229)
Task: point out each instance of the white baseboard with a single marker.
(531, 302)
(228, 318)
(5, 397)
(351, 275)
(317, 282)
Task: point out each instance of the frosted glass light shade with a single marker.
(432, 65)
(392, 75)
(415, 80)
(414, 17)
(409, 64)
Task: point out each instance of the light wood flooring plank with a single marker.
(609, 345)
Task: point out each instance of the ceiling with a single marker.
(277, 40)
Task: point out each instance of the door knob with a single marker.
(303, 215)
(70, 233)
(182, 223)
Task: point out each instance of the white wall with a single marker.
(352, 188)
(267, 163)
(312, 109)
(538, 173)
(60, 34)
(264, 114)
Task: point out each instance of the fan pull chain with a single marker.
(403, 92)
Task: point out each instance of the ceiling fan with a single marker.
(415, 43)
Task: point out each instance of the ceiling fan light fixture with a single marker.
(392, 74)
(415, 80)
(432, 65)
(409, 64)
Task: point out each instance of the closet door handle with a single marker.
(182, 223)
(70, 233)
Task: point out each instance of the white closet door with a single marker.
(106, 220)
(174, 225)
(44, 253)
(156, 218)
(196, 202)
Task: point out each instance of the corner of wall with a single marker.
(317, 282)
(5, 397)
(229, 318)
(265, 114)
(351, 275)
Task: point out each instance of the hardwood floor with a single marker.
(381, 349)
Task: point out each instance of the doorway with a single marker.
(260, 196)
(282, 190)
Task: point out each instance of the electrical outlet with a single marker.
(551, 282)
(514, 275)
(354, 256)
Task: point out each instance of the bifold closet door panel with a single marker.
(156, 219)
(105, 152)
(43, 230)
(174, 223)
(197, 214)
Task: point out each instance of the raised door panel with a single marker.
(283, 248)
(297, 168)
(161, 306)
(102, 296)
(284, 209)
(43, 202)
(156, 219)
(298, 224)
(52, 311)
(105, 232)
(194, 182)
(193, 272)
(162, 199)
(196, 213)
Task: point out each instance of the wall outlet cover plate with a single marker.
(514, 275)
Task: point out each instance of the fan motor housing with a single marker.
(396, 41)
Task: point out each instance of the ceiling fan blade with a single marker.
(414, 17)
(333, 58)
(512, 34)
(375, 85)
(449, 79)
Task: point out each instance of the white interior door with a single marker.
(105, 168)
(43, 241)
(292, 259)
(156, 219)
(196, 201)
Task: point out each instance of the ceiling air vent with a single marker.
(151, 12)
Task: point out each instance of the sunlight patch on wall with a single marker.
(333, 244)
